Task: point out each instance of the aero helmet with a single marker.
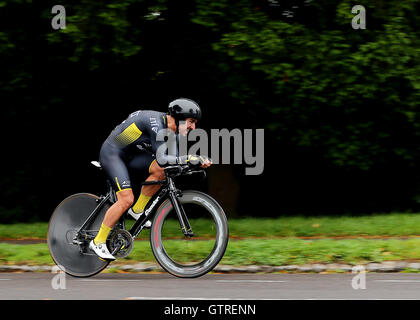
(182, 108)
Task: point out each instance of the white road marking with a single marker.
(4, 279)
(187, 298)
(110, 280)
(405, 281)
(138, 280)
(263, 281)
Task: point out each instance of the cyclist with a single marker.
(133, 144)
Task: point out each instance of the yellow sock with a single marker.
(102, 234)
(141, 203)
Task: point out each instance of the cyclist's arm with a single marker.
(166, 152)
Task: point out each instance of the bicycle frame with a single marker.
(168, 191)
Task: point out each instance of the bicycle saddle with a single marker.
(97, 164)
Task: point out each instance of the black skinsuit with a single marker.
(132, 147)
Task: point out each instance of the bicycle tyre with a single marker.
(200, 268)
(68, 217)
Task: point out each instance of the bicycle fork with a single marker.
(182, 217)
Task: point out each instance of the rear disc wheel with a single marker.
(66, 220)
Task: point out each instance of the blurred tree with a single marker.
(340, 104)
(352, 93)
(339, 98)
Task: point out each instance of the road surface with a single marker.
(162, 286)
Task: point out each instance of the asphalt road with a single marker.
(46, 286)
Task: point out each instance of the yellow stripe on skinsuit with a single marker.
(119, 188)
(129, 135)
(151, 165)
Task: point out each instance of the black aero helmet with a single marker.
(182, 108)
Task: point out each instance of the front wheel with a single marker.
(187, 257)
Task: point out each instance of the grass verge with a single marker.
(387, 225)
(274, 252)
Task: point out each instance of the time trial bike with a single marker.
(188, 236)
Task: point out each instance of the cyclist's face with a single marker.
(186, 126)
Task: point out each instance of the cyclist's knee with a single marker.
(157, 172)
(125, 199)
(159, 175)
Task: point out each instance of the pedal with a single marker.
(120, 243)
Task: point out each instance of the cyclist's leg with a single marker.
(112, 162)
(155, 173)
(145, 165)
(125, 199)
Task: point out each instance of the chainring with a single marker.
(120, 243)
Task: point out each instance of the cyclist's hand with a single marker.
(207, 163)
(203, 161)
